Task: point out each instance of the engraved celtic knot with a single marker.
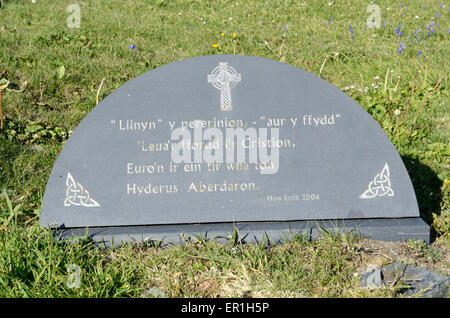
(379, 186)
(77, 195)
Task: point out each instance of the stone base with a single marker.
(255, 232)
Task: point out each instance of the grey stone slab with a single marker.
(410, 280)
(335, 161)
(418, 281)
(372, 278)
(399, 229)
(255, 232)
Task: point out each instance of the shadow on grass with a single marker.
(427, 187)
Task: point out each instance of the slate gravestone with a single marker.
(314, 158)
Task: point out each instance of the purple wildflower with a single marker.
(418, 53)
(441, 5)
(329, 22)
(401, 47)
(398, 33)
(351, 30)
(284, 28)
(384, 25)
(430, 27)
(132, 47)
(417, 32)
(436, 14)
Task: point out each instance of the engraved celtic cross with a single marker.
(224, 77)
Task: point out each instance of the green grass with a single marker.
(54, 75)
(33, 264)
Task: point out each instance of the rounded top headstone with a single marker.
(334, 161)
